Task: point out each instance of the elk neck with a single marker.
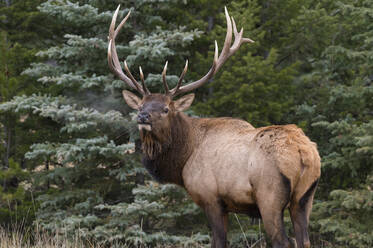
(164, 157)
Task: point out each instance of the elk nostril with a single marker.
(143, 117)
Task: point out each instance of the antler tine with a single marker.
(180, 82)
(147, 92)
(167, 91)
(235, 28)
(219, 60)
(238, 40)
(129, 74)
(216, 54)
(113, 60)
(228, 37)
(112, 24)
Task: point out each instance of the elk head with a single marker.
(156, 111)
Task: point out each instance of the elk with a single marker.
(225, 164)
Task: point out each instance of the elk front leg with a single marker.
(218, 219)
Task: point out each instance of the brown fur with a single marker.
(150, 145)
(227, 165)
(278, 142)
(168, 160)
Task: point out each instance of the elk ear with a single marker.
(184, 102)
(131, 99)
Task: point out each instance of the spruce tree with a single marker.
(311, 65)
(250, 85)
(317, 75)
(23, 30)
(90, 179)
(15, 203)
(338, 115)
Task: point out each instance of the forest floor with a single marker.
(32, 239)
(20, 238)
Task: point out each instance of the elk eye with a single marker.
(165, 110)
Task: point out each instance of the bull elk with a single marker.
(225, 164)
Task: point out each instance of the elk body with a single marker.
(226, 165)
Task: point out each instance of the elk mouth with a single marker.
(144, 126)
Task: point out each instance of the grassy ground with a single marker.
(35, 239)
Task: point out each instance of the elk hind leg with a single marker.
(272, 201)
(218, 219)
(300, 212)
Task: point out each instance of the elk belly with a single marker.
(146, 127)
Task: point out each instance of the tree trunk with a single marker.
(47, 169)
(9, 141)
(6, 148)
(2, 141)
(7, 3)
(210, 22)
(8, 145)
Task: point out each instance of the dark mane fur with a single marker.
(169, 156)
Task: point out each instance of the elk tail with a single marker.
(311, 171)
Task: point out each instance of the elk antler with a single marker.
(164, 79)
(218, 61)
(227, 51)
(113, 60)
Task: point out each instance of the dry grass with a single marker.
(20, 238)
(27, 237)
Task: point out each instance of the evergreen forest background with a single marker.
(69, 156)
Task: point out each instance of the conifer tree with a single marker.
(15, 203)
(338, 114)
(250, 86)
(321, 62)
(311, 65)
(91, 179)
(23, 30)
(25, 24)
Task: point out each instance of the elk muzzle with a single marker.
(143, 121)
